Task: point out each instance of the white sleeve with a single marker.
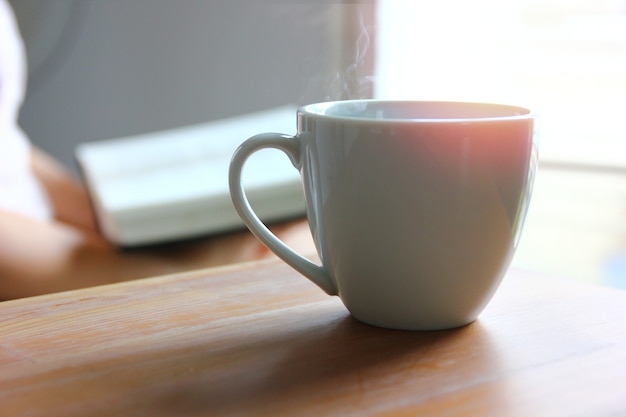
(19, 190)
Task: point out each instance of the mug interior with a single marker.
(414, 110)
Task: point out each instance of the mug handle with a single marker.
(290, 145)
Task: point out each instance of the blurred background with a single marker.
(106, 69)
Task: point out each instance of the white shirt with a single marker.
(19, 190)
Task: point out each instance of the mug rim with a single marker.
(319, 110)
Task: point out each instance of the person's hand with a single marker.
(68, 197)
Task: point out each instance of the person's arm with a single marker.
(40, 257)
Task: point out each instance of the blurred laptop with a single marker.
(172, 185)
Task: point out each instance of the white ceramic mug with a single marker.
(415, 207)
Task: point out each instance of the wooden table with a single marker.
(258, 339)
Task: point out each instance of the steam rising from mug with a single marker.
(352, 84)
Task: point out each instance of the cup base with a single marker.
(413, 327)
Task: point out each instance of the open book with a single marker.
(173, 184)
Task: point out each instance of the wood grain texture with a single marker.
(258, 339)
